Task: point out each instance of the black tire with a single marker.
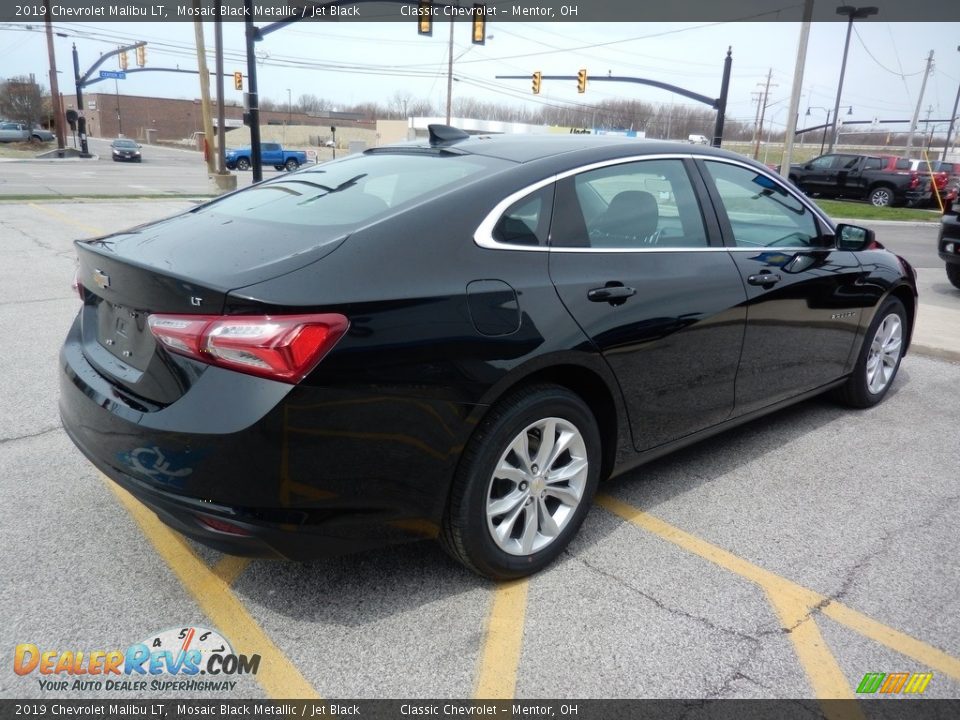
(953, 274)
(857, 392)
(881, 196)
(292, 164)
(467, 534)
(243, 164)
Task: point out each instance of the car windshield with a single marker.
(356, 189)
(124, 143)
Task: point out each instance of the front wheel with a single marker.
(881, 197)
(879, 357)
(243, 164)
(953, 274)
(524, 484)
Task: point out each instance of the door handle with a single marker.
(764, 279)
(613, 294)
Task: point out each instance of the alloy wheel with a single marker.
(537, 486)
(884, 353)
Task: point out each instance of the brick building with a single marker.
(178, 119)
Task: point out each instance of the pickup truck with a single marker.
(876, 179)
(270, 154)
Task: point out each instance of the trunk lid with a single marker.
(186, 264)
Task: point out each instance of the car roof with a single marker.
(527, 148)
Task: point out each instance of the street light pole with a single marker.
(289, 108)
(823, 140)
(852, 14)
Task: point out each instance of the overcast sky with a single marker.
(354, 62)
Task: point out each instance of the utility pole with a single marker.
(756, 118)
(204, 96)
(953, 118)
(794, 110)
(916, 113)
(221, 121)
(450, 73)
(55, 104)
(763, 111)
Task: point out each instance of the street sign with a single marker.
(113, 74)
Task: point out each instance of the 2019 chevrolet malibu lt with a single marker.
(125, 149)
(459, 337)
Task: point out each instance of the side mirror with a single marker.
(854, 237)
(139, 145)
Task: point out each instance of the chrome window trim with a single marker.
(483, 236)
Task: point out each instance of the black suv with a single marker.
(948, 245)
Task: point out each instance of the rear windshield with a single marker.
(354, 190)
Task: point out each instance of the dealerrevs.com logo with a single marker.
(180, 653)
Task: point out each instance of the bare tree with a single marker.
(21, 100)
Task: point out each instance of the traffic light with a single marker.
(537, 76)
(142, 55)
(479, 25)
(238, 80)
(582, 80)
(123, 60)
(425, 17)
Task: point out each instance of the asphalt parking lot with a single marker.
(786, 558)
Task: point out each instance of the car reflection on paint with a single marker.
(459, 337)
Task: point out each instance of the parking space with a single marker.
(785, 558)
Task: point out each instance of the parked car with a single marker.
(459, 337)
(124, 149)
(948, 244)
(41, 134)
(875, 179)
(943, 178)
(13, 132)
(270, 154)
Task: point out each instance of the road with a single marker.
(163, 171)
(785, 558)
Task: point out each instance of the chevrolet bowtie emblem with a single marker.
(101, 278)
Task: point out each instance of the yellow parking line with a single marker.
(894, 639)
(500, 657)
(279, 677)
(64, 218)
(788, 593)
(229, 568)
(823, 671)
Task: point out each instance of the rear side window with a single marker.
(873, 164)
(354, 190)
(527, 221)
(761, 212)
(902, 165)
(648, 204)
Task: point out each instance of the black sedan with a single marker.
(125, 149)
(459, 337)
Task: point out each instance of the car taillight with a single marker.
(279, 347)
(914, 180)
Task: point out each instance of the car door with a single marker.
(641, 270)
(819, 175)
(270, 154)
(804, 296)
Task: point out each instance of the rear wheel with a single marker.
(881, 197)
(879, 358)
(292, 164)
(953, 274)
(243, 164)
(525, 483)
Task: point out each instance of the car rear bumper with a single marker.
(255, 467)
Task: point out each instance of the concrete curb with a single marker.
(936, 353)
(49, 160)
